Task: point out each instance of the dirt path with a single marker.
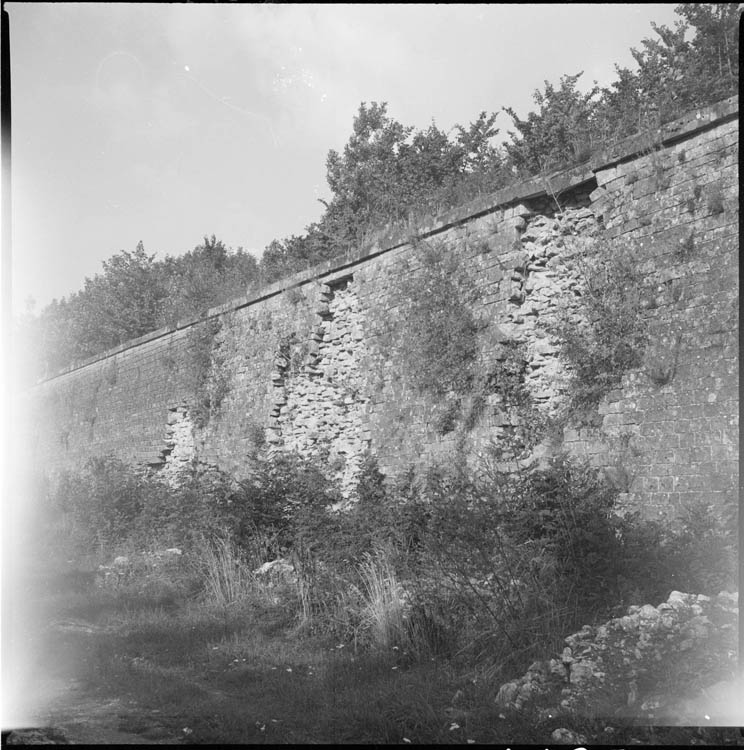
(70, 712)
(46, 698)
(79, 717)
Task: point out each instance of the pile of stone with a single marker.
(629, 659)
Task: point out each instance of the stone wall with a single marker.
(307, 364)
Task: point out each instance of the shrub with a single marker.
(467, 560)
(102, 500)
(518, 562)
(567, 511)
(496, 569)
(686, 247)
(394, 518)
(289, 500)
(505, 377)
(183, 515)
(704, 550)
(446, 420)
(287, 495)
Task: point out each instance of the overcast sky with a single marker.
(166, 122)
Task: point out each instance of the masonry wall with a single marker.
(306, 366)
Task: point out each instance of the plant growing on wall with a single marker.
(206, 367)
(436, 337)
(434, 343)
(686, 247)
(111, 372)
(714, 201)
(504, 377)
(662, 365)
(607, 335)
(293, 350)
(445, 420)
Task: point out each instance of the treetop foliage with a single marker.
(135, 294)
(387, 171)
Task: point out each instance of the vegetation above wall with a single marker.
(386, 172)
(134, 295)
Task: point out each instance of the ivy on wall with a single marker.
(434, 347)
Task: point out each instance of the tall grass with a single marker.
(226, 577)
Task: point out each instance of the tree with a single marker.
(713, 62)
(205, 277)
(296, 253)
(484, 167)
(366, 178)
(43, 343)
(618, 112)
(675, 74)
(387, 170)
(122, 303)
(558, 134)
(663, 90)
(136, 294)
(479, 154)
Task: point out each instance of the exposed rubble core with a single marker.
(319, 402)
(180, 450)
(540, 288)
